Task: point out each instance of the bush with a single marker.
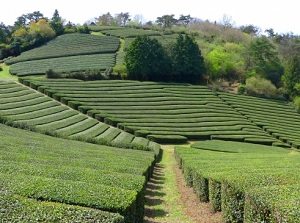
(260, 87)
(296, 103)
(51, 74)
(241, 89)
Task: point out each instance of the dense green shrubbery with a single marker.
(260, 87)
(181, 61)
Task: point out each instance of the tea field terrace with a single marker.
(161, 112)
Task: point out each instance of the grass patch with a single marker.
(4, 74)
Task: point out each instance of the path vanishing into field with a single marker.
(169, 200)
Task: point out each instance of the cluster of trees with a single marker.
(181, 61)
(31, 30)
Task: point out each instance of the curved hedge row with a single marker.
(64, 64)
(277, 118)
(35, 111)
(70, 45)
(98, 177)
(248, 183)
(160, 109)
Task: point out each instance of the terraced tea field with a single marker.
(247, 182)
(70, 45)
(22, 106)
(165, 113)
(275, 117)
(69, 181)
(64, 64)
(67, 53)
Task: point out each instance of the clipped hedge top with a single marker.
(70, 45)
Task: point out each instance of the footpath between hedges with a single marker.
(169, 200)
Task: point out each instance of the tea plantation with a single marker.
(83, 151)
(36, 168)
(248, 183)
(23, 107)
(165, 113)
(67, 53)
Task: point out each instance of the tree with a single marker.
(265, 60)
(225, 62)
(186, 60)
(105, 19)
(4, 33)
(21, 21)
(291, 75)
(166, 21)
(227, 22)
(250, 29)
(57, 23)
(34, 16)
(185, 20)
(83, 29)
(56, 17)
(145, 59)
(122, 18)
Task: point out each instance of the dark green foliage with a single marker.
(242, 89)
(180, 61)
(145, 60)
(265, 60)
(167, 139)
(291, 76)
(187, 62)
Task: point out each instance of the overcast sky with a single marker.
(282, 16)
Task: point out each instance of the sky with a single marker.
(282, 16)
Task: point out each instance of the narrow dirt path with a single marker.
(168, 200)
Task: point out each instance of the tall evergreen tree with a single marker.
(187, 61)
(145, 59)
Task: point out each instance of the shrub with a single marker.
(1, 69)
(260, 87)
(51, 74)
(296, 103)
(241, 89)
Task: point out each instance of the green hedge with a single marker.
(16, 208)
(225, 173)
(78, 44)
(167, 139)
(74, 192)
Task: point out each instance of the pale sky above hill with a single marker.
(282, 16)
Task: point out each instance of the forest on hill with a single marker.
(266, 63)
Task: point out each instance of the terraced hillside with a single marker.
(67, 53)
(276, 117)
(47, 179)
(161, 112)
(23, 107)
(248, 183)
